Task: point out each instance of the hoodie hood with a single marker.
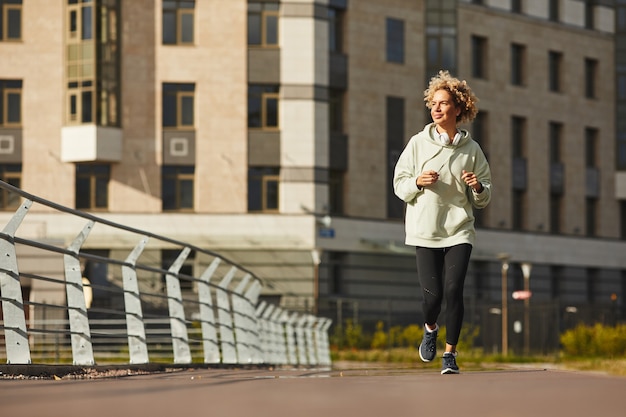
(432, 134)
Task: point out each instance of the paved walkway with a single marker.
(322, 393)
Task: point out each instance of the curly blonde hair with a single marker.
(461, 93)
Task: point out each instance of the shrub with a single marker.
(412, 335)
(380, 339)
(596, 340)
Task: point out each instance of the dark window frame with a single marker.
(177, 188)
(11, 103)
(12, 175)
(263, 24)
(591, 77)
(263, 189)
(479, 48)
(178, 106)
(555, 64)
(263, 106)
(395, 38)
(92, 187)
(518, 64)
(180, 15)
(11, 20)
(554, 10)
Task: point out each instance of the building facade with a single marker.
(268, 131)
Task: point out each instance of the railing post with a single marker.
(291, 341)
(303, 358)
(279, 336)
(137, 343)
(15, 333)
(207, 317)
(242, 324)
(262, 329)
(323, 344)
(178, 323)
(224, 314)
(311, 348)
(82, 350)
(268, 330)
(252, 297)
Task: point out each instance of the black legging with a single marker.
(433, 265)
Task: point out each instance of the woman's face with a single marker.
(443, 111)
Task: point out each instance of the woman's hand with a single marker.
(470, 179)
(427, 178)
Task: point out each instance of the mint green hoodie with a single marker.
(441, 215)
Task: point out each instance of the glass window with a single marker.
(87, 27)
(589, 13)
(263, 189)
(335, 27)
(335, 192)
(555, 133)
(395, 40)
(177, 191)
(448, 52)
(263, 24)
(519, 210)
(591, 212)
(395, 110)
(518, 53)
(92, 63)
(591, 151)
(518, 133)
(556, 212)
(10, 103)
(554, 71)
(480, 131)
(554, 12)
(335, 110)
(87, 111)
(11, 174)
(178, 106)
(263, 102)
(479, 57)
(178, 22)
(10, 20)
(620, 20)
(591, 71)
(516, 6)
(92, 186)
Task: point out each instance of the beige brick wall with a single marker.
(39, 62)
(502, 100)
(371, 80)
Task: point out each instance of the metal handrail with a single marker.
(222, 322)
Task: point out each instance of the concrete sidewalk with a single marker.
(338, 392)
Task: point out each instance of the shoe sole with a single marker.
(423, 358)
(449, 371)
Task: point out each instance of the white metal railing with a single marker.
(221, 321)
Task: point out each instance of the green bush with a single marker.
(412, 335)
(352, 336)
(380, 339)
(596, 340)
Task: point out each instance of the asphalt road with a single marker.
(361, 392)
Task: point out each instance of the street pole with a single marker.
(317, 259)
(526, 268)
(504, 258)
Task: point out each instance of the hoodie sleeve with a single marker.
(404, 176)
(483, 173)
